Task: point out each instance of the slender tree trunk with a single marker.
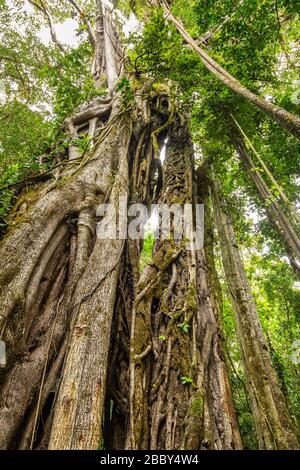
(287, 120)
(274, 211)
(262, 164)
(215, 288)
(269, 408)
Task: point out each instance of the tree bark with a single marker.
(188, 392)
(274, 211)
(58, 285)
(58, 281)
(273, 423)
(78, 416)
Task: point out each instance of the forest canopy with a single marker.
(123, 344)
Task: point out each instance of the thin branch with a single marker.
(139, 357)
(210, 33)
(85, 21)
(43, 8)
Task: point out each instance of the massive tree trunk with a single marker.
(59, 283)
(58, 280)
(269, 408)
(287, 120)
(35, 307)
(78, 413)
(275, 213)
(179, 392)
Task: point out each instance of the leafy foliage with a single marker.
(146, 254)
(39, 87)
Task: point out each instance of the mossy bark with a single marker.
(176, 336)
(273, 423)
(282, 221)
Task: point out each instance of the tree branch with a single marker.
(210, 33)
(85, 21)
(43, 8)
(287, 120)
